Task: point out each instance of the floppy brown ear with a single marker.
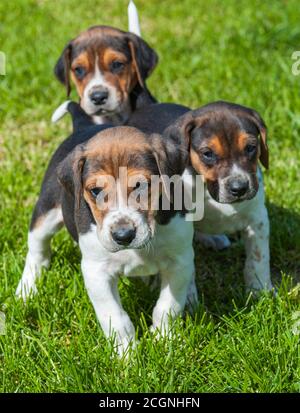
(160, 155)
(255, 117)
(171, 159)
(69, 173)
(144, 58)
(264, 151)
(63, 67)
(179, 133)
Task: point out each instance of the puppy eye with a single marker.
(80, 72)
(250, 149)
(95, 191)
(141, 186)
(209, 157)
(116, 66)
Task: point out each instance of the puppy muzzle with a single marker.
(120, 232)
(99, 96)
(123, 234)
(236, 189)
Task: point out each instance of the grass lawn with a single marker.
(233, 50)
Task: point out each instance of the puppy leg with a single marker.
(152, 282)
(192, 296)
(42, 229)
(215, 242)
(257, 266)
(103, 292)
(176, 279)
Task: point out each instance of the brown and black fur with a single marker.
(84, 151)
(105, 42)
(223, 127)
(227, 131)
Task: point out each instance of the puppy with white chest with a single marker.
(109, 68)
(114, 238)
(226, 142)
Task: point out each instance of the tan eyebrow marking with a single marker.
(242, 139)
(216, 145)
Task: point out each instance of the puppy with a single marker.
(109, 68)
(114, 238)
(226, 143)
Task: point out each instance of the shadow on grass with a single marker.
(220, 274)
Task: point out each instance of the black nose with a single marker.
(238, 187)
(123, 235)
(99, 97)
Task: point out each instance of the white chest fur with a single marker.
(170, 254)
(230, 218)
(170, 241)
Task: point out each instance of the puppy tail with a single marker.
(79, 118)
(133, 19)
(60, 111)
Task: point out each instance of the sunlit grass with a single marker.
(238, 51)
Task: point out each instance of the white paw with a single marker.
(125, 346)
(152, 282)
(216, 242)
(164, 332)
(159, 332)
(257, 289)
(26, 287)
(31, 273)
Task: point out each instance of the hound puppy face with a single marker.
(226, 142)
(112, 175)
(105, 64)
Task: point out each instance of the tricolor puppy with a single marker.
(114, 238)
(227, 141)
(109, 68)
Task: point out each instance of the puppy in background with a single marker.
(226, 142)
(108, 68)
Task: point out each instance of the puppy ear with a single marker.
(63, 67)
(144, 58)
(171, 159)
(264, 151)
(255, 118)
(179, 132)
(69, 173)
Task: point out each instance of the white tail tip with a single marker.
(60, 111)
(133, 19)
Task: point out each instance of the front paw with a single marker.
(160, 332)
(215, 242)
(32, 271)
(165, 333)
(256, 289)
(124, 346)
(152, 282)
(25, 289)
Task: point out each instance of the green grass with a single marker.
(234, 50)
